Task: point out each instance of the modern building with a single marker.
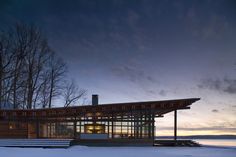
(123, 122)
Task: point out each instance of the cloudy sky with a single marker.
(138, 50)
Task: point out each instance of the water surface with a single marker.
(217, 142)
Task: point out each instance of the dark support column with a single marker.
(145, 126)
(121, 126)
(80, 126)
(131, 124)
(108, 127)
(112, 127)
(141, 125)
(175, 125)
(153, 127)
(75, 129)
(47, 130)
(50, 129)
(149, 126)
(37, 129)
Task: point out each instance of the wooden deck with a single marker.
(188, 143)
(113, 142)
(136, 142)
(65, 143)
(44, 143)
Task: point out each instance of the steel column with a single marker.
(175, 125)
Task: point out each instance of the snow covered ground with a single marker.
(82, 151)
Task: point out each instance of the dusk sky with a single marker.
(141, 50)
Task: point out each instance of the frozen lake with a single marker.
(218, 142)
(225, 148)
(81, 151)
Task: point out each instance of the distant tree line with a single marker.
(31, 75)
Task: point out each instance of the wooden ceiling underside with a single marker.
(157, 108)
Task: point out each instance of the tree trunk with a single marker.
(51, 89)
(1, 79)
(30, 88)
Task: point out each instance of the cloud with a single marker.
(231, 86)
(214, 128)
(184, 113)
(151, 92)
(208, 25)
(133, 74)
(215, 111)
(211, 84)
(162, 92)
(225, 85)
(143, 80)
(132, 18)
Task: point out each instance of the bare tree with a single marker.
(5, 64)
(23, 54)
(57, 70)
(32, 53)
(31, 75)
(43, 91)
(72, 93)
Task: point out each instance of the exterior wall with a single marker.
(129, 128)
(31, 130)
(13, 130)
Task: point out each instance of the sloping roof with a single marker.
(158, 108)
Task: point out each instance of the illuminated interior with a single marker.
(94, 128)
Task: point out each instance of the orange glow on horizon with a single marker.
(191, 133)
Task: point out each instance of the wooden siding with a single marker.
(13, 130)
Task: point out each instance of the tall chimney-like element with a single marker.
(94, 99)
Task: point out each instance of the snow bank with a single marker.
(82, 151)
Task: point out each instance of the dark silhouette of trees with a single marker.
(31, 75)
(72, 93)
(57, 69)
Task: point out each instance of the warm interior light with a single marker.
(98, 127)
(98, 114)
(94, 128)
(90, 128)
(89, 115)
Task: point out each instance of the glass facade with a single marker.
(116, 126)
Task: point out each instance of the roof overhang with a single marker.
(156, 108)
